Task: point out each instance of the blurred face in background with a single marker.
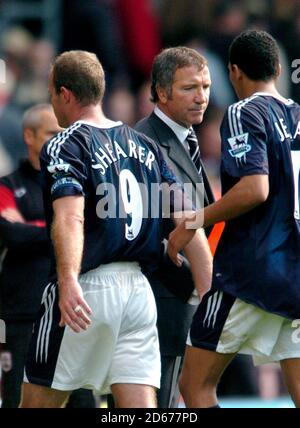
(36, 137)
(5, 361)
(121, 106)
(189, 98)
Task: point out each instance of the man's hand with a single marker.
(73, 307)
(12, 215)
(178, 239)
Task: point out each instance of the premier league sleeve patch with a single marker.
(58, 168)
(239, 147)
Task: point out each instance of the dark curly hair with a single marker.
(256, 53)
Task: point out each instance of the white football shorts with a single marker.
(120, 346)
(226, 324)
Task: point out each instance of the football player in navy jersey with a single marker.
(103, 188)
(254, 304)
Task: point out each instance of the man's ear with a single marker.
(28, 135)
(279, 69)
(66, 94)
(236, 71)
(162, 94)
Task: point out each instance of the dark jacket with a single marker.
(25, 247)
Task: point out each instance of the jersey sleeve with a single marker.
(63, 164)
(244, 141)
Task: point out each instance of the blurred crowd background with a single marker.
(126, 35)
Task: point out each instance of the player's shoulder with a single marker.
(142, 138)
(75, 131)
(253, 104)
(252, 111)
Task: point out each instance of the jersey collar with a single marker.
(268, 94)
(107, 124)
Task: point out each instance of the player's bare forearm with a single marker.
(199, 255)
(248, 193)
(180, 236)
(196, 249)
(68, 237)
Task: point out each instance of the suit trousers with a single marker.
(168, 395)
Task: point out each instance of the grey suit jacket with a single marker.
(172, 286)
(174, 153)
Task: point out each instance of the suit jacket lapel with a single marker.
(176, 151)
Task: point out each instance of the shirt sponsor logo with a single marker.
(239, 146)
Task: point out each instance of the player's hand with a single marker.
(12, 215)
(178, 239)
(74, 309)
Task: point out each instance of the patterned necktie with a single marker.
(194, 148)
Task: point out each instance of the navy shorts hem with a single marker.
(210, 318)
(38, 381)
(204, 345)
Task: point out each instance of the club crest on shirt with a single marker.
(21, 191)
(239, 146)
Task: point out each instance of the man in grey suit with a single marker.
(180, 90)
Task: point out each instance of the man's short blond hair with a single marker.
(81, 72)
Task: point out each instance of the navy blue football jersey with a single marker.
(258, 256)
(120, 173)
